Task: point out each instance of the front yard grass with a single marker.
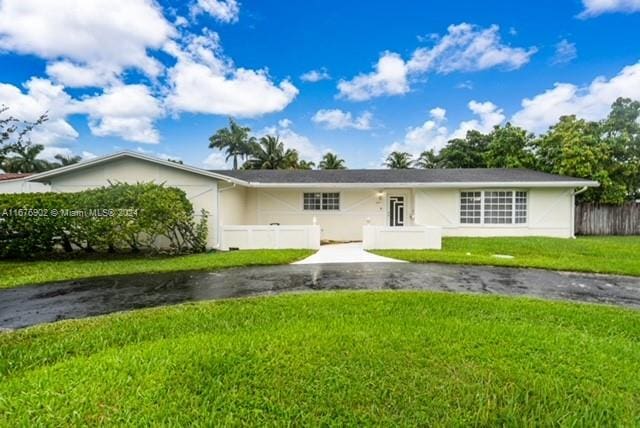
(16, 273)
(345, 358)
(612, 255)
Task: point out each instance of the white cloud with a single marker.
(465, 48)
(49, 153)
(314, 76)
(598, 7)
(223, 10)
(467, 84)
(591, 102)
(488, 116)
(434, 134)
(41, 96)
(95, 39)
(88, 155)
(338, 119)
(388, 78)
(204, 81)
(126, 111)
(565, 52)
(285, 123)
(216, 160)
(77, 76)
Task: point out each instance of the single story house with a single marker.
(385, 208)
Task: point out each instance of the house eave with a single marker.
(447, 185)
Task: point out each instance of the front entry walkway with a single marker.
(345, 253)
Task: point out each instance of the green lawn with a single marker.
(616, 255)
(346, 358)
(16, 273)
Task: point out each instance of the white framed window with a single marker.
(470, 207)
(321, 201)
(494, 207)
(498, 207)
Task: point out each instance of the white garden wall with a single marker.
(251, 237)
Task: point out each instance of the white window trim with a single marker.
(498, 225)
(321, 210)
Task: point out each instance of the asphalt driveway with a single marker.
(26, 306)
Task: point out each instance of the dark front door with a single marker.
(396, 210)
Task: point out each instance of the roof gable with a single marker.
(45, 176)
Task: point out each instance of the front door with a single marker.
(396, 210)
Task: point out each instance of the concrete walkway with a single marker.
(345, 253)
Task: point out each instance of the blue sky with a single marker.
(357, 78)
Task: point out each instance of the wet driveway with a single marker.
(25, 306)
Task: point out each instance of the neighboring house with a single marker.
(17, 183)
(276, 208)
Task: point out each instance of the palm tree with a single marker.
(331, 161)
(303, 164)
(234, 140)
(66, 160)
(427, 160)
(26, 160)
(398, 160)
(268, 153)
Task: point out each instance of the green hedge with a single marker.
(117, 217)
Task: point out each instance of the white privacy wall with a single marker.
(201, 191)
(549, 213)
(273, 237)
(22, 186)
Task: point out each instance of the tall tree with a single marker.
(509, 147)
(465, 152)
(235, 141)
(427, 160)
(303, 164)
(331, 161)
(26, 160)
(398, 160)
(621, 132)
(574, 147)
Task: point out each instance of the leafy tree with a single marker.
(427, 160)
(574, 147)
(465, 152)
(331, 161)
(234, 140)
(398, 160)
(509, 147)
(26, 160)
(14, 133)
(621, 132)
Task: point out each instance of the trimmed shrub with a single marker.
(118, 217)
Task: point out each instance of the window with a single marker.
(493, 207)
(471, 207)
(329, 201)
(521, 207)
(498, 207)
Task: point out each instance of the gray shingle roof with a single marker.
(364, 176)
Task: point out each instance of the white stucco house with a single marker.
(384, 208)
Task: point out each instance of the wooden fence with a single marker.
(596, 219)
